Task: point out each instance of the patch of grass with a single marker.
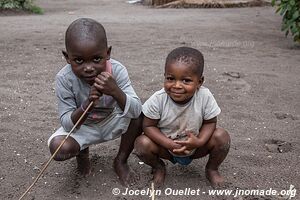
(26, 5)
(36, 10)
(290, 12)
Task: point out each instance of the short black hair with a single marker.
(189, 56)
(85, 28)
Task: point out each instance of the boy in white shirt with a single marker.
(180, 120)
(92, 76)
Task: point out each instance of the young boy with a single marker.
(92, 76)
(180, 120)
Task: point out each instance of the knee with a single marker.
(142, 145)
(69, 149)
(221, 137)
(137, 123)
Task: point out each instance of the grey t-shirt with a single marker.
(176, 119)
(72, 92)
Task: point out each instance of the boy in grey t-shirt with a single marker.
(180, 120)
(91, 76)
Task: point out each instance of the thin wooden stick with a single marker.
(54, 154)
(153, 192)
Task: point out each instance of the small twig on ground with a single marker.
(56, 151)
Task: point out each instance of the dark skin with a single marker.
(88, 60)
(179, 147)
(180, 84)
(91, 69)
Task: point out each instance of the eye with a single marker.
(186, 80)
(169, 78)
(78, 61)
(98, 59)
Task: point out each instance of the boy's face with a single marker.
(181, 82)
(87, 58)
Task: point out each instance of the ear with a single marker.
(201, 81)
(108, 52)
(66, 56)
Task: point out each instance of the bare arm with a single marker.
(93, 97)
(206, 131)
(193, 142)
(151, 130)
(106, 84)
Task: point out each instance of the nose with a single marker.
(89, 68)
(177, 84)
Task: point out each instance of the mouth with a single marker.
(177, 93)
(90, 77)
(177, 96)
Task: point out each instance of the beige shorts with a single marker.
(103, 131)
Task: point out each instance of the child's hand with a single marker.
(106, 84)
(94, 95)
(181, 151)
(174, 145)
(191, 143)
(177, 148)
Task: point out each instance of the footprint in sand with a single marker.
(235, 80)
(76, 184)
(278, 146)
(281, 116)
(233, 74)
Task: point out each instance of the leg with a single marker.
(126, 146)
(217, 148)
(83, 162)
(150, 153)
(69, 150)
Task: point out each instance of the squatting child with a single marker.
(180, 120)
(92, 76)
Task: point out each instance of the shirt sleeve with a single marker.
(151, 107)
(66, 102)
(133, 106)
(211, 108)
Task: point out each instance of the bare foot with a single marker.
(214, 177)
(159, 175)
(126, 176)
(83, 164)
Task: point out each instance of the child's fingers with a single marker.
(182, 149)
(99, 82)
(99, 86)
(189, 134)
(181, 142)
(94, 99)
(187, 151)
(95, 92)
(105, 74)
(94, 95)
(105, 83)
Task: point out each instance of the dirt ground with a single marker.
(251, 68)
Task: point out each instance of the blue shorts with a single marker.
(181, 160)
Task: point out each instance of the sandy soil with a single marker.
(251, 68)
(206, 3)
